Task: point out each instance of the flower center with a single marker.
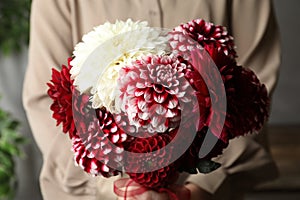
(164, 74)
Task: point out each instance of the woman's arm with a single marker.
(50, 46)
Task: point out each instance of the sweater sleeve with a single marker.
(247, 162)
(50, 46)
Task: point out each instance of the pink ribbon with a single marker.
(121, 188)
(127, 188)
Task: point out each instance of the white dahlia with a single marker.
(105, 50)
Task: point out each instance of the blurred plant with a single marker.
(14, 25)
(10, 142)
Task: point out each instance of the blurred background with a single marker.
(284, 122)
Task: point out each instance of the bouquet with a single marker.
(154, 102)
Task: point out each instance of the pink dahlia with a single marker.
(60, 90)
(88, 162)
(99, 146)
(154, 91)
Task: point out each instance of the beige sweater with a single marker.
(57, 25)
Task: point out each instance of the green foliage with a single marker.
(207, 166)
(202, 166)
(10, 142)
(14, 25)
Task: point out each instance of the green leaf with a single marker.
(10, 143)
(207, 166)
(21, 140)
(4, 176)
(6, 192)
(14, 25)
(7, 163)
(4, 189)
(188, 170)
(13, 125)
(10, 148)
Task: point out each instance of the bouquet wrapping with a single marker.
(154, 102)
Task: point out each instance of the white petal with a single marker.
(160, 110)
(170, 114)
(174, 44)
(154, 121)
(159, 98)
(107, 151)
(142, 105)
(115, 138)
(140, 85)
(172, 103)
(162, 128)
(144, 116)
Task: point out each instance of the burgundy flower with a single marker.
(60, 90)
(245, 98)
(206, 34)
(219, 57)
(247, 101)
(154, 179)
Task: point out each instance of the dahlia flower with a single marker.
(204, 33)
(99, 143)
(60, 90)
(114, 45)
(235, 93)
(154, 91)
(89, 163)
(247, 101)
(154, 179)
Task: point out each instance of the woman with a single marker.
(57, 25)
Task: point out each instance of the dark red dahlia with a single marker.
(236, 93)
(219, 58)
(60, 90)
(200, 112)
(211, 93)
(205, 33)
(70, 108)
(157, 178)
(247, 101)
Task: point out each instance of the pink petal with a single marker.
(148, 96)
(115, 138)
(142, 105)
(170, 114)
(161, 110)
(160, 98)
(172, 103)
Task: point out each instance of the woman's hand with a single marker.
(198, 193)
